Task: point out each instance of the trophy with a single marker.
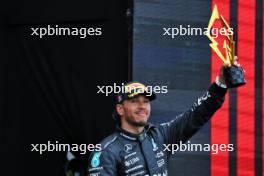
(233, 73)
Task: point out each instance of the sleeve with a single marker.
(102, 163)
(187, 124)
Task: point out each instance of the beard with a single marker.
(136, 124)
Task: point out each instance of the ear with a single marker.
(120, 109)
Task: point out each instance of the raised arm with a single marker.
(188, 123)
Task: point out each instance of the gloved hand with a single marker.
(232, 76)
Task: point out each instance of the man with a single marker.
(137, 147)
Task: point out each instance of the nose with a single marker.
(142, 104)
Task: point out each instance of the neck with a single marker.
(132, 129)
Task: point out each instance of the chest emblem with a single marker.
(127, 148)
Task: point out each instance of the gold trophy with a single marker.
(233, 73)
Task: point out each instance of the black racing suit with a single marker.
(124, 153)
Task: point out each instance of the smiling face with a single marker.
(134, 112)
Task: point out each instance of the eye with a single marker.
(134, 100)
(146, 101)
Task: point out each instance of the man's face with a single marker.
(135, 111)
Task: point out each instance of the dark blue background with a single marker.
(183, 64)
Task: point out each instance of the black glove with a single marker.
(234, 76)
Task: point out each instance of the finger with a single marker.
(235, 60)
